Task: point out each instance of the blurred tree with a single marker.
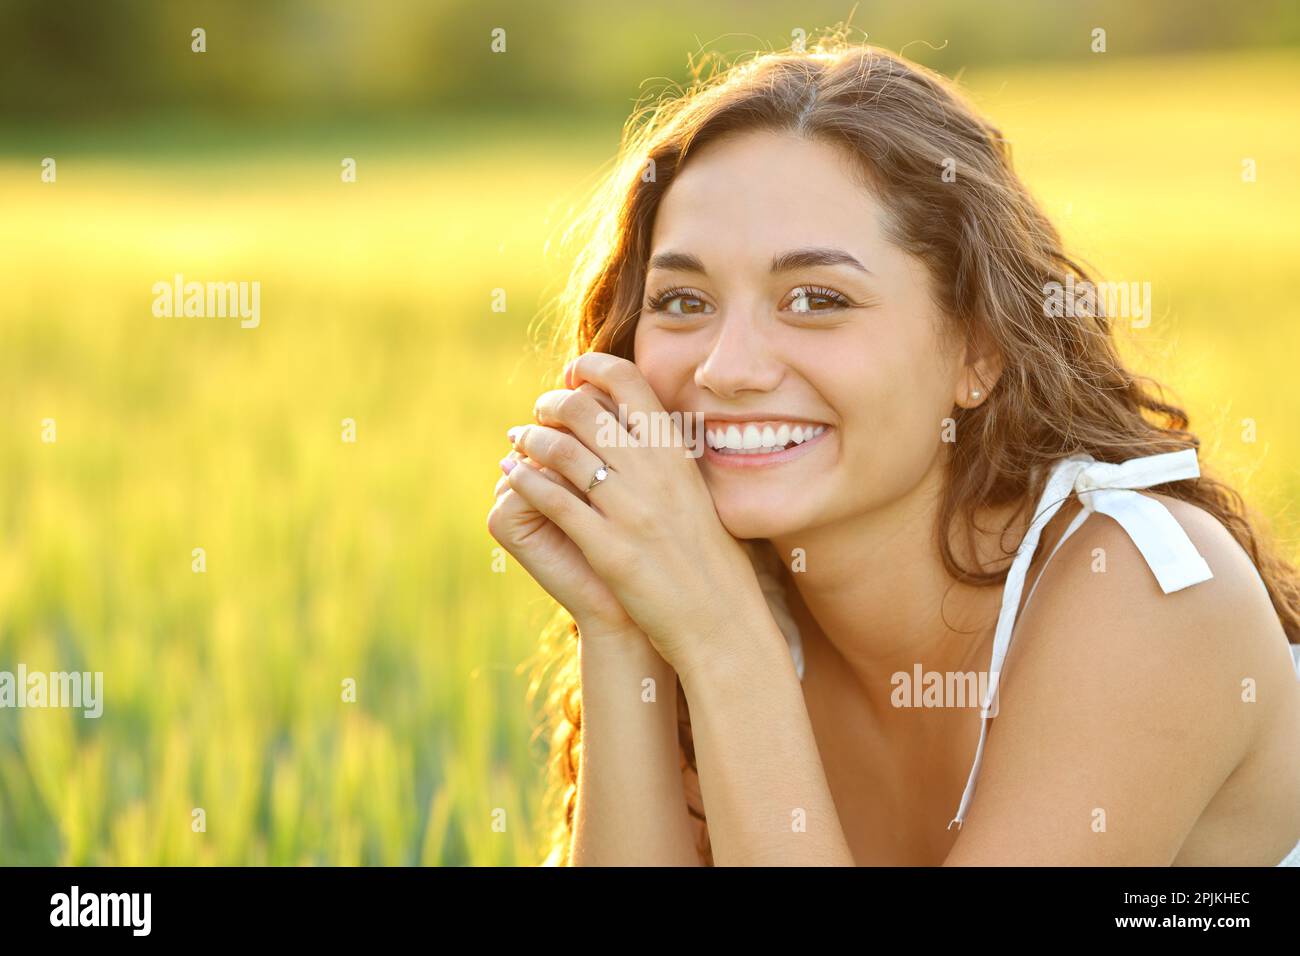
(119, 58)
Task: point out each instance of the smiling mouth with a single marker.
(759, 437)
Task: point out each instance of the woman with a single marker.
(828, 258)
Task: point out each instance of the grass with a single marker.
(328, 560)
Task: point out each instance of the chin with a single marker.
(756, 519)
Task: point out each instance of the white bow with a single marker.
(1109, 489)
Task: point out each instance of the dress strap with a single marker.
(1109, 489)
(768, 571)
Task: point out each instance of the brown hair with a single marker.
(991, 254)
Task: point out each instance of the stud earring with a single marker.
(975, 393)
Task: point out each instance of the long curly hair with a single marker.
(991, 254)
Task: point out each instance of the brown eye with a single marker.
(679, 302)
(811, 299)
(687, 305)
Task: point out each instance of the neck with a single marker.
(877, 588)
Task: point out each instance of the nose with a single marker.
(739, 360)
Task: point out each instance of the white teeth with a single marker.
(753, 439)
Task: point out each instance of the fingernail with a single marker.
(513, 434)
(508, 465)
(568, 374)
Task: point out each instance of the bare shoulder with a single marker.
(1099, 610)
(1100, 584)
(1122, 710)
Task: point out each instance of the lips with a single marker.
(758, 437)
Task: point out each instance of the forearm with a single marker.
(765, 793)
(631, 805)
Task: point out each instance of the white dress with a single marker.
(1100, 486)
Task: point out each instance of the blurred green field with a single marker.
(329, 560)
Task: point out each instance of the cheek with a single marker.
(665, 362)
(892, 407)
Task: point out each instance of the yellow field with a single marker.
(329, 560)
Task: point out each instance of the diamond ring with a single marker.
(601, 474)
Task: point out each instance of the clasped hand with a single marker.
(642, 547)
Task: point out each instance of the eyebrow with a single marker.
(784, 262)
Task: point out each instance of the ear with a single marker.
(979, 375)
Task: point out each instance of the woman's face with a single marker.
(776, 306)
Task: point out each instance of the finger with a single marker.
(605, 400)
(556, 477)
(637, 403)
(568, 512)
(503, 485)
(584, 415)
(618, 377)
(559, 451)
(506, 463)
(563, 482)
